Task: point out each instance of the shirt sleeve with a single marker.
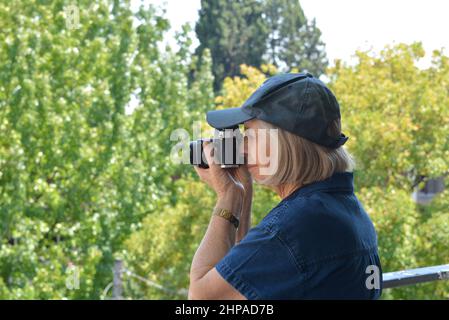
(261, 266)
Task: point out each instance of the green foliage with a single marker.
(79, 169)
(255, 32)
(397, 119)
(162, 250)
(395, 218)
(235, 33)
(293, 41)
(396, 115)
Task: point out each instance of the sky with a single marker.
(349, 25)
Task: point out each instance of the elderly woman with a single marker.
(318, 242)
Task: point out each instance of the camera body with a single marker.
(227, 149)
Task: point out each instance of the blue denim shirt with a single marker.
(317, 243)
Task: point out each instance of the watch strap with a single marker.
(226, 214)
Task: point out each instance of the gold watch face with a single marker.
(225, 214)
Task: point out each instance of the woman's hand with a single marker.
(242, 175)
(234, 188)
(220, 180)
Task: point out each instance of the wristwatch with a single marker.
(226, 214)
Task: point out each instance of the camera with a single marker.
(227, 149)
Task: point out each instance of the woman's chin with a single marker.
(254, 172)
(253, 169)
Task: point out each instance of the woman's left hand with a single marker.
(220, 180)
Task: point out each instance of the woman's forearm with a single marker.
(219, 238)
(245, 218)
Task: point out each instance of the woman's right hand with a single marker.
(242, 175)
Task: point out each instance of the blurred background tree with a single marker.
(293, 41)
(234, 32)
(85, 119)
(256, 32)
(397, 118)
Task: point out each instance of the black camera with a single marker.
(227, 149)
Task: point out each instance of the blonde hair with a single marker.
(301, 161)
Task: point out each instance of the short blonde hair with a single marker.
(301, 161)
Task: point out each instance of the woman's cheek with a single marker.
(252, 156)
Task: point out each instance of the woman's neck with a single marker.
(285, 190)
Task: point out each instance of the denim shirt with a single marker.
(317, 243)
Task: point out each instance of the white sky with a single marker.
(348, 25)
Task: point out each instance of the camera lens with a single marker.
(226, 150)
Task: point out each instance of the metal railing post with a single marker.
(117, 289)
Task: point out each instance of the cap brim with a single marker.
(227, 118)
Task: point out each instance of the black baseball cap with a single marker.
(296, 102)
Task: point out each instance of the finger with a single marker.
(240, 172)
(234, 175)
(197, 169)
(203, 174)
(200, 172)
(209, 153)
(215, 169)
(242, 175)
(244, 172)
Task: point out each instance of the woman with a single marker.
(318, 242)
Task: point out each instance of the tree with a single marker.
(293, 41)
(86, 112)
(397, 119)
(234, 32)
(255, 32)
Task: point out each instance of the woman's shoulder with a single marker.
(318, 205)
(335, 221)
(289, 211)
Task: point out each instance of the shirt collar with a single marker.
(339, 181)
